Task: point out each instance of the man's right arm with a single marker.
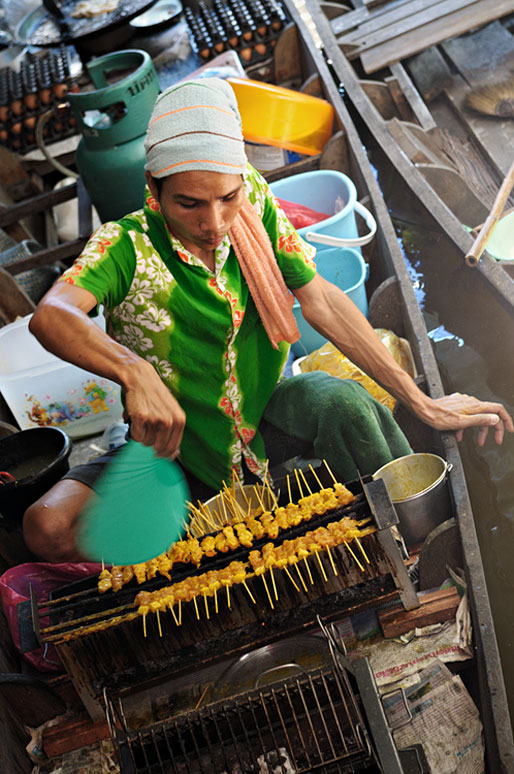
(62, 326)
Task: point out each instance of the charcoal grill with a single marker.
(309, 723)
(119, 658)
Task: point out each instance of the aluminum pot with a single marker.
(419, 492)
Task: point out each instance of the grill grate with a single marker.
(305, 724)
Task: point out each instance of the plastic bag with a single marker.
(15, 586)
(301, 216)
(329, 359)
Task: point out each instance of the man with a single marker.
(196, 291)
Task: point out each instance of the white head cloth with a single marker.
(195, 125)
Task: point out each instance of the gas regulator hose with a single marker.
(42, 122)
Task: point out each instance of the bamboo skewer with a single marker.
(173, 614)
(298, 482)
(301, 578)
(305, 481)
(289, 490)
(334, 479)
(236, 477)
(206, 605)
(321, 566)
(331, 560)
(196, 608)
(144, 624)
(291, 578)
(159, 623)
(249, 592)
(180, 612)
(228, 596)
(350, 549)
(273, 583)
(315, 476)
(215, 600)
(308, 570)
(480, 243)
(267, 591)
(363, 552)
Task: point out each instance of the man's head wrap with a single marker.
(195, 125)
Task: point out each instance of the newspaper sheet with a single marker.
(439, 713)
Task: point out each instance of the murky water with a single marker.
(472, 337)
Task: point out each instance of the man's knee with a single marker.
(49, 524)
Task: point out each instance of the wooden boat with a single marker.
(409, 68)
(297, 62)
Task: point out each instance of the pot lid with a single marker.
(273, 662)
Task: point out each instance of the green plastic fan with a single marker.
(139, 511)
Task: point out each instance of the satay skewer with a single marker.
(331, 560)
(196, 608)
(273, 583)
(159, 622)
(348, 546)
(249, 592)
(321, 566)
(291, 578)
(308, 570)
(170, 605)
(267, 591)
(315, 476)
(289, 490)
(298, 482)
(241, 487)
(305, 481)
(301, 578)
(363, 552)
(334, 479)
(206, 605)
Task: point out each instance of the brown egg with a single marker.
(30, 122)
(17, 107)
(260, 48)
(246, 53)
(60, 90)
(30, 101)
(45, 95)
(17, 127)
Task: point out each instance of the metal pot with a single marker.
(419, 492)
(89, 35)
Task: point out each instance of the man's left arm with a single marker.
(336, 317)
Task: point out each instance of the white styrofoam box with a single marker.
(41, 389)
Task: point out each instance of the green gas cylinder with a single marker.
(113, 122)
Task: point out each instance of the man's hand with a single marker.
(457, 412)
(156, 417)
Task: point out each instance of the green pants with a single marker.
(347, 427)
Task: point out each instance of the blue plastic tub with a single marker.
(346, 268)
(325, 190)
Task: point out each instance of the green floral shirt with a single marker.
(199, 328)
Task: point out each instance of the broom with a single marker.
(493, 100)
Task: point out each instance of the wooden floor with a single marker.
(385, 32)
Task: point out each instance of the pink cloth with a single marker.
(260, 269)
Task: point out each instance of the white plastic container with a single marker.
(42, 390)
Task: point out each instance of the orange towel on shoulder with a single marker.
(260, 269)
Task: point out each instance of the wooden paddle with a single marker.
(139, 510)
(480, 243)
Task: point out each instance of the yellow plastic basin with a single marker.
(272, 115)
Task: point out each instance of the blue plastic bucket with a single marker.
(346, 268)
(324, 190)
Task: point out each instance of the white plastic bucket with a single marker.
(323, 190)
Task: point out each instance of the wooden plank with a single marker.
(384, 15)
(71, 734)
(412, 96)
(494, 135)
(350, 20)
(401, 19)
(381, 96)
(14, 302)
(432, 32)
(486, 56)
(39, 203)
(430, 73)
(435, 607)
(402, 106)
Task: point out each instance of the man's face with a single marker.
(199, 207)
